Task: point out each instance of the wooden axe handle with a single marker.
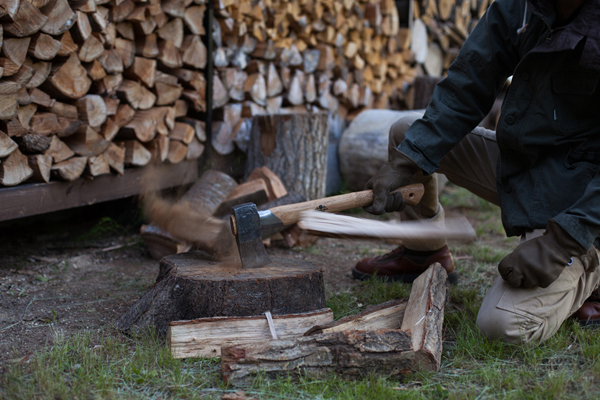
(290, 214)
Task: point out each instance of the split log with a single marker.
(60, 17)
(194, 52)
(254, 191)
(182, 132)
(8, 107)
(14, 83)
(91, 49)
(161, 243)
(159, 147)
(136, 95)
(98, 165)
(194, 150)
(16, 50)
(198, 126)
(274, 84)
(70, 79)
(190, 286)
(58, 150)
(115, 156)
(70, 169)
(27, 21)
(7, 145)
(14, 169)
(40, 164)
(136, 154)
(92, 110)
(41, 72)
(177, 151)
(275, 187)
(222, 140)
(294, 147)
(143, 69)
(204, 337)
(167, 94)
(256, 88)
(43, 47)
(86, 142)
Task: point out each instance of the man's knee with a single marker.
(499, 324)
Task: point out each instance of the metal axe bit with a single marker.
(247, 223)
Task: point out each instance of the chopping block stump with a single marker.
(195, 285)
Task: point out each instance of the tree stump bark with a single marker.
(363, 147)
(194, 285)
(293, 146)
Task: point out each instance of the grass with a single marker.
(106, 365)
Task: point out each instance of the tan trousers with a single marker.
(513, 315)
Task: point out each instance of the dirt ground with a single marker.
(79, 270)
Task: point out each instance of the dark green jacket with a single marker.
(549, 129)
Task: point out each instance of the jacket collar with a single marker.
(585, 25)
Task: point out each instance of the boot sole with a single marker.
(589, 322)
(408, 278)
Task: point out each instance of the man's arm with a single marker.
(467, 94)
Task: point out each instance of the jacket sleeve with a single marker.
(582, 219)
(461, 100)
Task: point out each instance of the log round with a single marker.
(194, 285)
(294, 146)
(363, 147)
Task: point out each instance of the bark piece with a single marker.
(161, 243)
(33, 144)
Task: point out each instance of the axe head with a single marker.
(249, 236)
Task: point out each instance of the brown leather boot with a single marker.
(589, 313)
(404, 265)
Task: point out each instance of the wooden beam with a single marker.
(39, 198)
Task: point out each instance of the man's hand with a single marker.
(397, 172)
(540, 261)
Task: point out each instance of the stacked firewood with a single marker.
(90, 86)
(282, 56)
(440, 28)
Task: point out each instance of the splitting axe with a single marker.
(250, 225)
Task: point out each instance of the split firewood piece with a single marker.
(276, 188)
(204, 337)
(41, 72)
(109, 85)
(274, 84)
(122, 10)
(255, 86)
(220, 95)
(233, 80)
(182, 132)
(67, 45)
(112, 105)
(12, 127)
(222, 141)
(58, 150)
(159, 147)
(49, 123)
(388, 315)
(351, 354)
(7, 145)
(194, 150)
(15, 49)
(199, 127)
(136, 154)
(254, 191)
(143, 126)
(161, 243)
(33, 144)
(143, 69)
(274, 104)
(12, 84)
(296, 94)
(60, 17)
(172, 31)
(95, 70)
(124, 115)
(311, 60)
(91, 49)
(27, 21)
(194, 52)
(111, 61)
(70, 79)
(147, 46)
(92, 110)
(8, 106)
(71, 169)
(43, 99)
(14, 169)
(177, 151)
(181, 108)
(115, 156)
(167, 94)
(98, 165)
(109, 130)
(424, 317)
(310, 89)
(194, 19)
(86, 142)
(41, 165)
(126, 51)
(169, 54)
(136, 95)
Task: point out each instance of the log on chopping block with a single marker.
(416, 346)
(202, 199)
(294, 147)
(195, 285)
(204, 337)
